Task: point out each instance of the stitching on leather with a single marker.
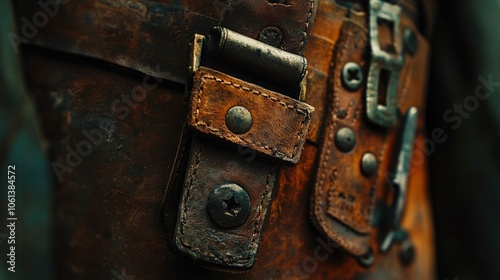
(324, 166)
(259, 217)
(265, 194)
(219, 133)
(309, 16)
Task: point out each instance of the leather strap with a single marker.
(154, 37)
(216, 157)
(344, 197)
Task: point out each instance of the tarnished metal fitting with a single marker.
(367, 259)
(345, 139)
(239, 120)
(369, 164)
(271, 35)
(258, 56)
(410, 41)
(407, 252)
(229, 205)
(352, 76)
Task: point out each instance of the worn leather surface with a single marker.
(154, 37)
(344, 199)
(108, 208)
(294, 19)
(279, 123)
(196, 235)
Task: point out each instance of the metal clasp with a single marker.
(382, 61)
(239, 50)
(399, 180)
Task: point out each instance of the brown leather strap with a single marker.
(154, 37)
(344, 196)
(288, 22)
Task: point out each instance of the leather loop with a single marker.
(280, 123)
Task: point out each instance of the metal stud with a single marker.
(352, 76)
(369, 164)
(229, 205)
(407, 252)
(271, 35)
(367, 259)
(410, 41)
(345, 139)
(239, 120)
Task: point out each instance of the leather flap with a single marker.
(279, 123)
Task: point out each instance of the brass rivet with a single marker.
(239, 120)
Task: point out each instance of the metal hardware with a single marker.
(341, 114)
(369, 164)
(399, 181)
(239, 120)
(411, 41)
(259, 57)
(229, 206)
(407, 252)
(384, 115)
(352, 76)
(271, 35)
(345, 139)
(367, 259)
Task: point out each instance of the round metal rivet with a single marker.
(239, 120)
(229, 205)
(410, 41)
(345, 139)
(341, 114)
(368, 259)
(352, 76)
(407, 253)
(369, 164)
(271, 35)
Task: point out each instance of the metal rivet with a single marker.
(369, 164)
(341, 114)
(229, 205)
(271, 35)
(345, 139)
(352, 76)
(407, 252)
(368, 259)
(411, 41)
(239, 120)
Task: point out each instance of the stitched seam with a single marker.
(265, 194)
(309, 16)
(218, 132)
(258, 219)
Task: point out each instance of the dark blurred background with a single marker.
(465, 169)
